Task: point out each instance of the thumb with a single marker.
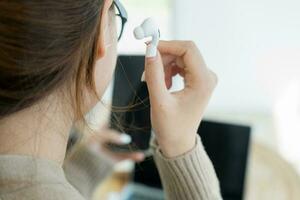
(155, 77)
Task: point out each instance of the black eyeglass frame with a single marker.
(122, 14)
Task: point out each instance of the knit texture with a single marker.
(28, 178)
(187, 177)
(190, 176)
(86, 169)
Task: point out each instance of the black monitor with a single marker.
(131, 106)
(226, 144)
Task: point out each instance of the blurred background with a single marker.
(254, 47)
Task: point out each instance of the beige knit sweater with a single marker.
(188, 177)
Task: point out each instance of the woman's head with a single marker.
(67, 47)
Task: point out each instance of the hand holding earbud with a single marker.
(148, 29)
(175, 117)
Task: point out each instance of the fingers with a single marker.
(120, 156)
(155, 78)
(111, 136)
(186, 60)
(98, 143)
(137, 156)
(188, 57)
(168, 76)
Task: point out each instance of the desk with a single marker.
(114, 183)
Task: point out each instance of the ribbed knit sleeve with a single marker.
(85, 169)
(190, 176)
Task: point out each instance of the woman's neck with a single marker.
(40, 131)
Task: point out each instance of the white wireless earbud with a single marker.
(148, 29)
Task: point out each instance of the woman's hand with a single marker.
(176, 116)
(99, 141)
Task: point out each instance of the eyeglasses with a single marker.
(122, 18)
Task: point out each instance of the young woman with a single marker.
(56, 60)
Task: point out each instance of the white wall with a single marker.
(236, 38)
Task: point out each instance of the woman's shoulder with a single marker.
(25, 177)
(43, 191)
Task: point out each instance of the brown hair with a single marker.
(43, 45)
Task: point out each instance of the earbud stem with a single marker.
(151, 51)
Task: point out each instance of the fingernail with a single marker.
(143, 79)
(125, 139)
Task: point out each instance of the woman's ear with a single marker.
(104, 20)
